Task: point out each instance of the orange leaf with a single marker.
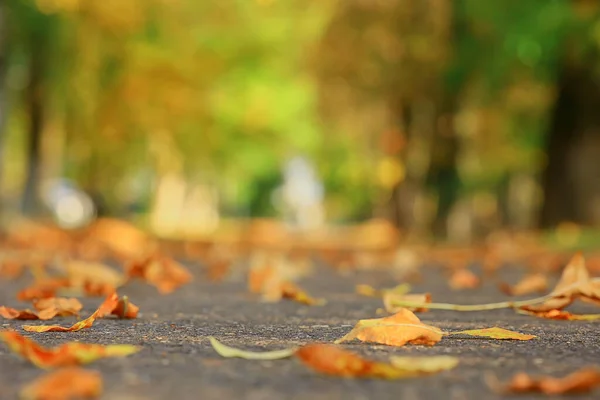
(293, 292)
(162, 272)
(43, 289)
(105, 308)
(333, 360)
(64, 384)
(464, 279)
(561, 315)
(63, 306)
(581, 381)
(574, 283)
(396, 330)
(11, 313)
(68, 354)
(529, 284)
(125, 309)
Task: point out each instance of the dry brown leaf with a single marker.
(531, 283)
(43, 289)
(293, 292)
(333, 360)
(63, 306)
(125, 309)
(164, 273)
(11, 313)
(81, 273)
(396, 330)
(574, 283)
(64, 384)
(105, 308)
(581, 381)
(464, 279)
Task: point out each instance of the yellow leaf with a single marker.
(230, 352)
(396, 330)
(495, 333)
(424, 364)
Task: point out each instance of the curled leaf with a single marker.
(230, 352)
(68, 354)
(575, 282)
(62, 306)
(495, 333)
(125, 308)
(64, 384)
(293, 292)
(105, 308)
(11, 313)
(43, 289)
(581, 381)
(396, 330)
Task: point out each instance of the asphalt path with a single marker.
(177, 361)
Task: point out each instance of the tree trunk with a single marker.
(35, 107)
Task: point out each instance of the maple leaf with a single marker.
(396, 330)
(68, 354)
(332, 360)
(529, 284)
(105, 308)
(230, 352)
(162, 272)
(575, 282)
(581, 381)
(463, 279)
(64, 384)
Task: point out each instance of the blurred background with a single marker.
(448, 119)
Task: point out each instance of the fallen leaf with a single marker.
(424, 364)
(463, 279)
(162, 272)
(10, 269)
(332, 360)
(64, 384)
(43, 289)
(63, 306)
(11, 313)
(68, 354)
(561, 315)
(495, 333)
(125, 309)
(581, 381)
(293, 292)
(396, 330)
(529, 284)
(390, 299)
(230, 352)
(105, 308)
(370, 291)
(80, 273)
(574, 283)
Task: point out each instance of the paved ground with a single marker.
(177, 361)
